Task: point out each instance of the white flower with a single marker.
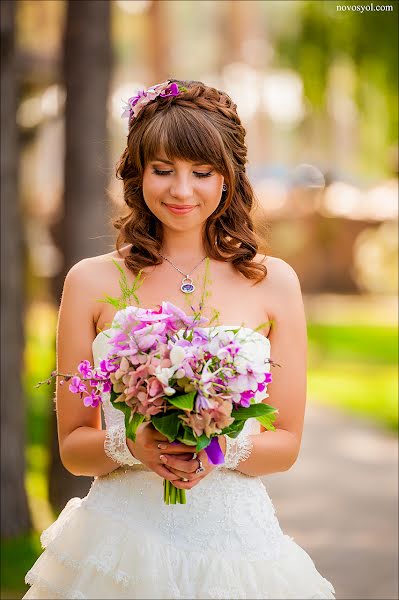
(177, 355)
(169, 391)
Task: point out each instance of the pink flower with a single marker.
(77, 386)
(85, 369)
(107, 386)
(108, 366)
(92, 400)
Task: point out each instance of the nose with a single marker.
(181, 188)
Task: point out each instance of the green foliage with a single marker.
(325, 37)
(187, 437)
(184, 401)
(203, 441)
(168, 424)
(132, 423)
(17, 556)
(252, 411)
(128, 293)
(234, 429)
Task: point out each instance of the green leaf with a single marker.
(132, 423)
(184, 401)
(202, 442)
(254, 410)
(168, 424)
(267, 421)
(188, 437)
(234, 429)
(114, 396)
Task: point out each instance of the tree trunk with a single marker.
(84, 229)
(15, 516)
(158, 43)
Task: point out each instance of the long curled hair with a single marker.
(200, 124)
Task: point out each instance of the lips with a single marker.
(180, 209)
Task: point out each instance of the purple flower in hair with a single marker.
(143, 97)
(172, 90)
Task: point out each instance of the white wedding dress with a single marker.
(122, 541)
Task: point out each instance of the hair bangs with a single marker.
(183, 134)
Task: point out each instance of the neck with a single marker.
(183, 247)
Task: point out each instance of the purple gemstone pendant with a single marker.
(187, 286)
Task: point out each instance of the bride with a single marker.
(188, 198)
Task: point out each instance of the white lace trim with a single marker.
(39, 583)
(100, 564)
(116, 448)
(237, 450)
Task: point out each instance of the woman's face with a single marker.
(181, 194)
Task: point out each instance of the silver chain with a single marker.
(177, 268)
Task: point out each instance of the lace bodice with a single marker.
(256, 347)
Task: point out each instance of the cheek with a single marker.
(212, 195)
(151, 189)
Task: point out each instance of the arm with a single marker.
(275, 451)
(80, 434)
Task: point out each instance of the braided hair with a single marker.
(200, 124)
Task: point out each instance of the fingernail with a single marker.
(162, 446)
(163, 458)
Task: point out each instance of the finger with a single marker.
(187, 485)
(182, 474)
(183, 457)
(185, 466)
(166, 474)
(176, 448)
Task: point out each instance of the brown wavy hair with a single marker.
(200, 124)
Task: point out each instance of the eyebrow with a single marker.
(169, 162)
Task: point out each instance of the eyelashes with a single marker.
(197, 174)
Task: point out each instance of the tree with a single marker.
(15, 516)
(80, 233)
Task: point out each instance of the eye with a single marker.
(158, 172)
(199, 175)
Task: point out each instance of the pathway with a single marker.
(340, 503)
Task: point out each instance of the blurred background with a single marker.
(316, 87)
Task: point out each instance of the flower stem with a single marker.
(172, 494)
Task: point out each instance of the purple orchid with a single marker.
(92, 400)
(85, 369)
(77, 386)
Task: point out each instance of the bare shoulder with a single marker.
(92, 277)
(281, 284)
(281, 274)
(88, 271)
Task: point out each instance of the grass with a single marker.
(354, 367)
(351, 366)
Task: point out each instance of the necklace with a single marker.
(187, 285)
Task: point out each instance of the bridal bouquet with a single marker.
(193, 383)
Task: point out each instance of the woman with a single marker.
(189, 198)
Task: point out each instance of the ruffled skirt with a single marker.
(121, 541)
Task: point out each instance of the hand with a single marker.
(186, 469)
(146, 450)
(173, 456)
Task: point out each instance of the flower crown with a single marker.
(134, 105)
